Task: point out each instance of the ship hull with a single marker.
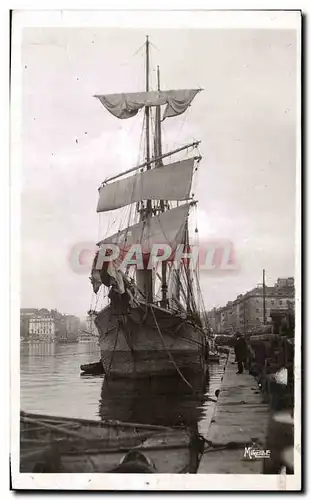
(149, 342)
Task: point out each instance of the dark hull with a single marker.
(150, 342)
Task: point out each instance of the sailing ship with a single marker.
(144, 331)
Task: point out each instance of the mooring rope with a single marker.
(230, 445)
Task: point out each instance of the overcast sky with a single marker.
(245, 117)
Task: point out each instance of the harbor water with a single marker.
(51, 384)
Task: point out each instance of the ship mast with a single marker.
(144, 277)
(158, 153)
(188, 274)
(264, 295)
(147, 115)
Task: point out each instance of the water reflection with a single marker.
(50, 381)
(51, 384)
(156, 400)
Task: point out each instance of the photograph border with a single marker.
(141, 18)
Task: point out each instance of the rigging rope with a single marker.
(183, 121)
(111, 359)
(169, 354)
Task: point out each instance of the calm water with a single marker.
(51, 383)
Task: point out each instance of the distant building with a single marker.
(72, 324)
(90, 325)
(26, 314)
(246, 312)
(42, 327)
(66, 327)
(213, 317)
(42, 324)
(88, 329)
(60, 325)
(283, 283)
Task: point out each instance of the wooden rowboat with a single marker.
(56, 444)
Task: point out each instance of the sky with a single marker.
(245, 118)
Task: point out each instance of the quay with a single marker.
(240, 417)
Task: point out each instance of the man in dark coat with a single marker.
(240, 350)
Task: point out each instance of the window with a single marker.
(257, 310)
(281, 302)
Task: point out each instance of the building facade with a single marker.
(42, 327)
(251, 310)
(90, 325)
(36, 324)
(41, 324)
(72, 325)
(25, 317)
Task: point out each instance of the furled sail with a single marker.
(108, 274)
(168, 182)
(127, 105)
(166, 228)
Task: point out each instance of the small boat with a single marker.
(50, 444)
(92, 369)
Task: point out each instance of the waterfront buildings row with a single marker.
(251, 310)
(45, 325)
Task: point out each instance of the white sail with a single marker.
(127, 105)
(168, 182)
(167, 228)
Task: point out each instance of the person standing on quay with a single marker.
(240, 350)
